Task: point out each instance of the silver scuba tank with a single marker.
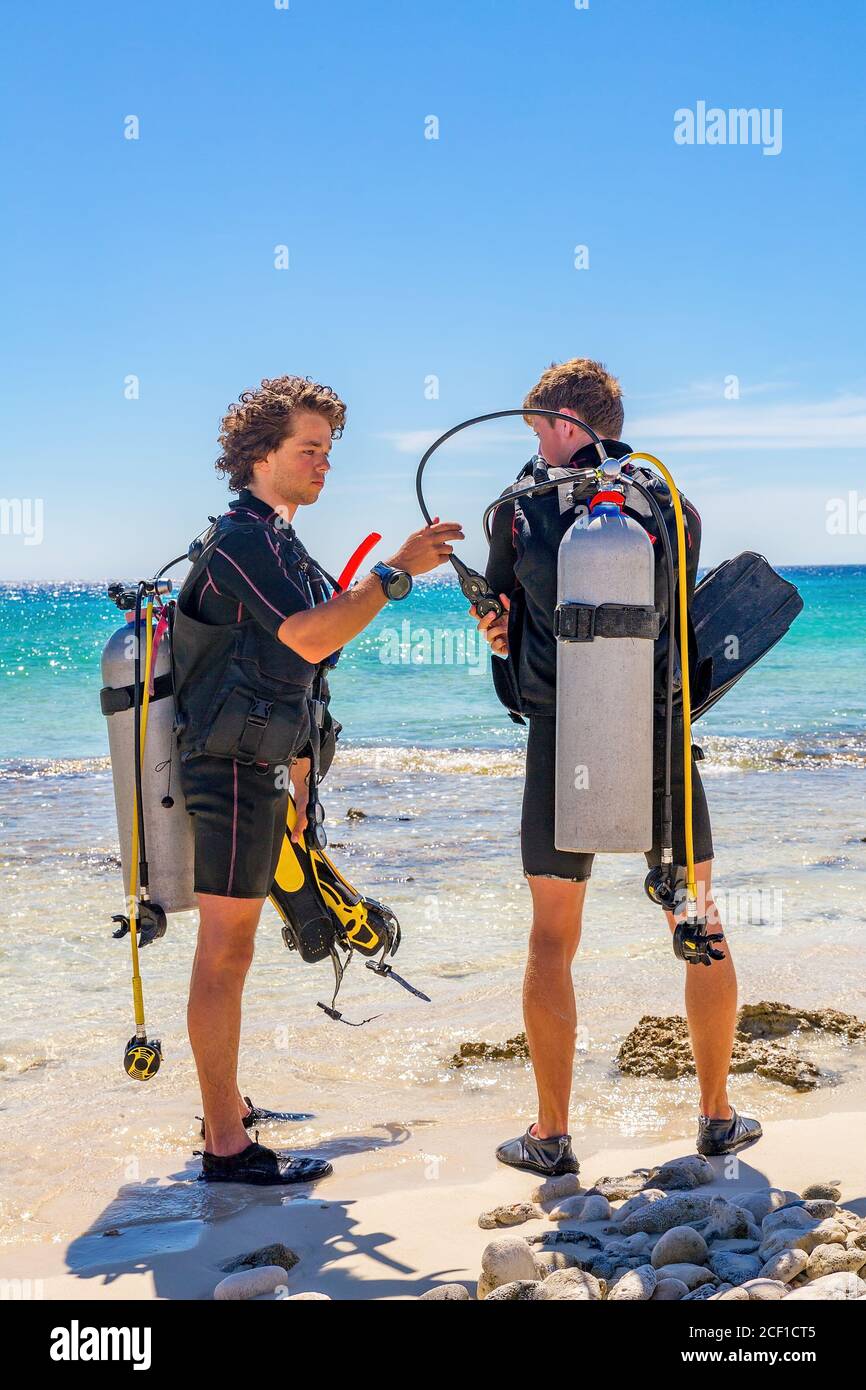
(605, 623)
(168, 826)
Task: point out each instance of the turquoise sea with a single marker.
(434, 763)
(418, 678)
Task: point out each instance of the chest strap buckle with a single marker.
(260, 712)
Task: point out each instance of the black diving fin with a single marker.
(739, 611)
(324, 914)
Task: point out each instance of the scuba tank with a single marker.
(170, 843)
(612, 606)
(321, 909)
(605, 623)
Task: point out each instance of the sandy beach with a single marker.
(398, 1217)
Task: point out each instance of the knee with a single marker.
(555, 939)
(224, 955)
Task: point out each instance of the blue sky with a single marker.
(411, 257)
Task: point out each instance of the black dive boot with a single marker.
(262, 1167)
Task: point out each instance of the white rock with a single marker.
(835, 1259)
(679, 1245)
(519, 1291)
(765, 1290)
(785, 1266)
(548, 1261)
(593, 1208)
(555, 1189)
(250, 1283)
(825, 1233)
(596, 1208)
(761, 1203)
(737, 1294)
(574, 1284)
(571, 1209)
(832, 1286)
(504, 1261)
(638, 1286)
(317, 1297)
(447, 1293)
(638, 1201)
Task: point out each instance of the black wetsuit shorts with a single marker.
(239, 819)
(541, 857)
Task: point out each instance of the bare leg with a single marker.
(711, 1009)
(548, 997)
(223, 955)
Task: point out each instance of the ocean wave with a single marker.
(747, 754)
(724, 753)
(33, 769)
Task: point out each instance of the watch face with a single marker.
(399, 585)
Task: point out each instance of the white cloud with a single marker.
(475, 440)
(737, 425)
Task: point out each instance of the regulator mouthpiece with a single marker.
(694, 945)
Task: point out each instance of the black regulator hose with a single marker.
(474, 586)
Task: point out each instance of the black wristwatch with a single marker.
(396, 584)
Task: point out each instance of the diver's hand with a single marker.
(426, 549)
(495, 629)
(301, 796)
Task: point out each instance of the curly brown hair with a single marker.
(260, 420)
(585, 387)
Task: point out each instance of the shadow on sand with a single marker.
(184, 1231)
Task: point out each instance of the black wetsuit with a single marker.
(238, 807)
(522, 564)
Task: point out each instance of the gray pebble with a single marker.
(679, 1245)
(514, 1214)
(682, 1173)
(250, 1283)
(831, 1190)
(690, 1274)
(669, 1291)
(734, 1269)
(682, 1209)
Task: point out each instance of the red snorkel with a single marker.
(356, 559)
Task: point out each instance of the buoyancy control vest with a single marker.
(526, 542)
(240, 692)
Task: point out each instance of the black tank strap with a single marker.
(583, 622)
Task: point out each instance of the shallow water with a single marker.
(439, 844)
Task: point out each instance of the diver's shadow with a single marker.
(184, 1232)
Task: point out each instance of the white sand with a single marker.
(391, 1222)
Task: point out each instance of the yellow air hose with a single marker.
(137, 993)
(691, 884)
